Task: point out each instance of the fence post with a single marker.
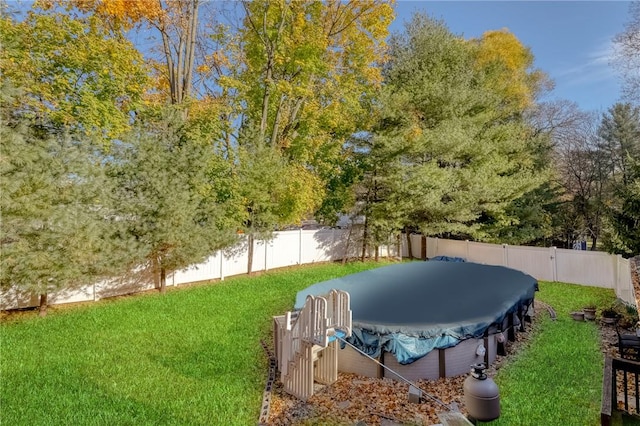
(300, 246)
(505, 255)
(553, 257)
(221, 264)
(266, 250)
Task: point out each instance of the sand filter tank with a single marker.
(481, 395)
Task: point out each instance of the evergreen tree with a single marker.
(173, 194)
(624, 219)
(620, 145)
(53, 214)
(619, 132)
(453, 153)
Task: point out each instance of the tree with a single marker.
(308, 63)
(76, 85)
(176, 21)
(74, 72)
(619, 132)
(454, 163)
(581, 168)
(269, 198)
(308, 75)
(173, 192)
(53, 217)
(624, 219)
(507, 66)
(628, 54)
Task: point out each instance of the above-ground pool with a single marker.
(429, 319)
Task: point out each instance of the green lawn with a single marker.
(189, 357)
(193, 357)
(557, 379)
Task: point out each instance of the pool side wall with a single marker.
(438, 363)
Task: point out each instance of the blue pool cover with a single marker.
(411, 308)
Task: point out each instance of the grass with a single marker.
(189, 357)
(193, 357)
(557, 379)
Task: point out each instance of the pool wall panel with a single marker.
(458, 360)
(426, 367)
(350, 361)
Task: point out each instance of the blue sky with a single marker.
(571, 40)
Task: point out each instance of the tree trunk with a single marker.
(409, 251)
(276, 123)
(265, 99)
(364, 238)
(346, 246)
(377, 252)
(43, 304)
(180, 68)
(163, 280)
(250, 239)
(191, 48)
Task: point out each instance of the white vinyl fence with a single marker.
(591, 268)
(287, 248)
(290, 248)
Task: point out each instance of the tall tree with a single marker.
(53, 214)
(581, 168)
(456, 160)
(77, 83)
(624, 220)
(308, 75)
(620, 145)
(173, 192)
(304, 85)
(175, 20)
(74, 72)
(619, 132)
(628, 54)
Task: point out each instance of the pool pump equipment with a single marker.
(481, 395)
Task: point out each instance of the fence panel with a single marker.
(585, 267)
(236, 259)
(138, 281)
(489, 254)
(535, 261)
(451, 248)
(207, 270)
(72, 295)
(623, 283)
(285, 249)
(317, 246)
(416, 246)
(13, 298)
